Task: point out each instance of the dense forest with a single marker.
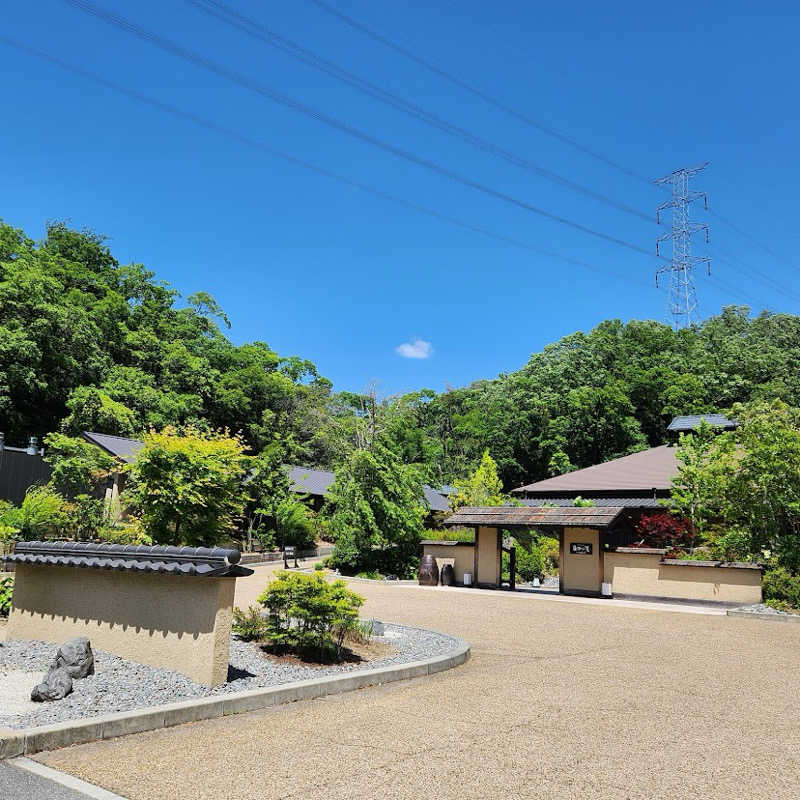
(89, 343)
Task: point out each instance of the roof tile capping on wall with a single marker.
(169, 607)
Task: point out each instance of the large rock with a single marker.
(57, 684)
(76, 657)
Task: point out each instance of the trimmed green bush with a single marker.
(309, 616)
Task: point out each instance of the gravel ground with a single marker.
(560, 700)
(121, 685)
(760, 608)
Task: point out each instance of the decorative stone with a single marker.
(57, 684)
(428, 571)
(448, 576)
(76, 657)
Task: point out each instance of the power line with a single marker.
(751, 271)
(296, 161)
(493, 101)
(750, 238)
(468, 87)
(295, 105)
(230, 16)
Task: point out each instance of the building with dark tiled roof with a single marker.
(637, 482)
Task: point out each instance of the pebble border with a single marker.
(755, 615)
(26, 741)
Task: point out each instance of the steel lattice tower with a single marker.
(682, 299)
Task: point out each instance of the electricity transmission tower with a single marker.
(682, 299)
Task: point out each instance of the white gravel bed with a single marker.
(761, 608)
(122, 685)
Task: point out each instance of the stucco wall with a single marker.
(581, 573)
(488, 556)
(176, 622)
(645, 574)
(461, 553)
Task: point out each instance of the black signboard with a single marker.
(290, 551)
(580, 548)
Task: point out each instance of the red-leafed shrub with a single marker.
(662, 529)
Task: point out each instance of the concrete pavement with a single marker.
(37, 782)
(559, 699)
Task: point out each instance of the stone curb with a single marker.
(775, 617)
(26, 741)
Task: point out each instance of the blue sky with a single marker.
(324, 270)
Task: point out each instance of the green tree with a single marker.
(294, 524)
(91, 409)
(78, 466)
(741, 488)
(375, 508)
(481, 488)
(186, 486)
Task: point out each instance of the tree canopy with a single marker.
(89, 343)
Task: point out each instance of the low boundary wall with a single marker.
(168, 607)
(460, 554)
(645, 572)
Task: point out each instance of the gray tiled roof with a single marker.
(643, 471)
(436, 500)
(118, 446)
(311, 481)
(318, 481)
(690, 421)
(208, 562)
(600, 502)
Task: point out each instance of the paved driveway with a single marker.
(559, 700)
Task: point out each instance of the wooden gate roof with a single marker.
(527, 517)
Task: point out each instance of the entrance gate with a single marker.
(581, 534)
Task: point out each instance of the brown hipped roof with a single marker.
(649, 469)
(527, 517)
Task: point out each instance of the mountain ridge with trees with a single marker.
(88, 343)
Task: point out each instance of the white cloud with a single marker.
(418, 348)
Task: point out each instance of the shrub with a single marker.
(662, 529)
(319, 566)
(6, 592)
(249, 625)
(370, 575)
(580, 502)
(41, 515)
(449, 535)
(781, 589)
(530, 565)
(128, 532)
(540, 560)
(85, 517)
(732, 545)
(306, 614)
